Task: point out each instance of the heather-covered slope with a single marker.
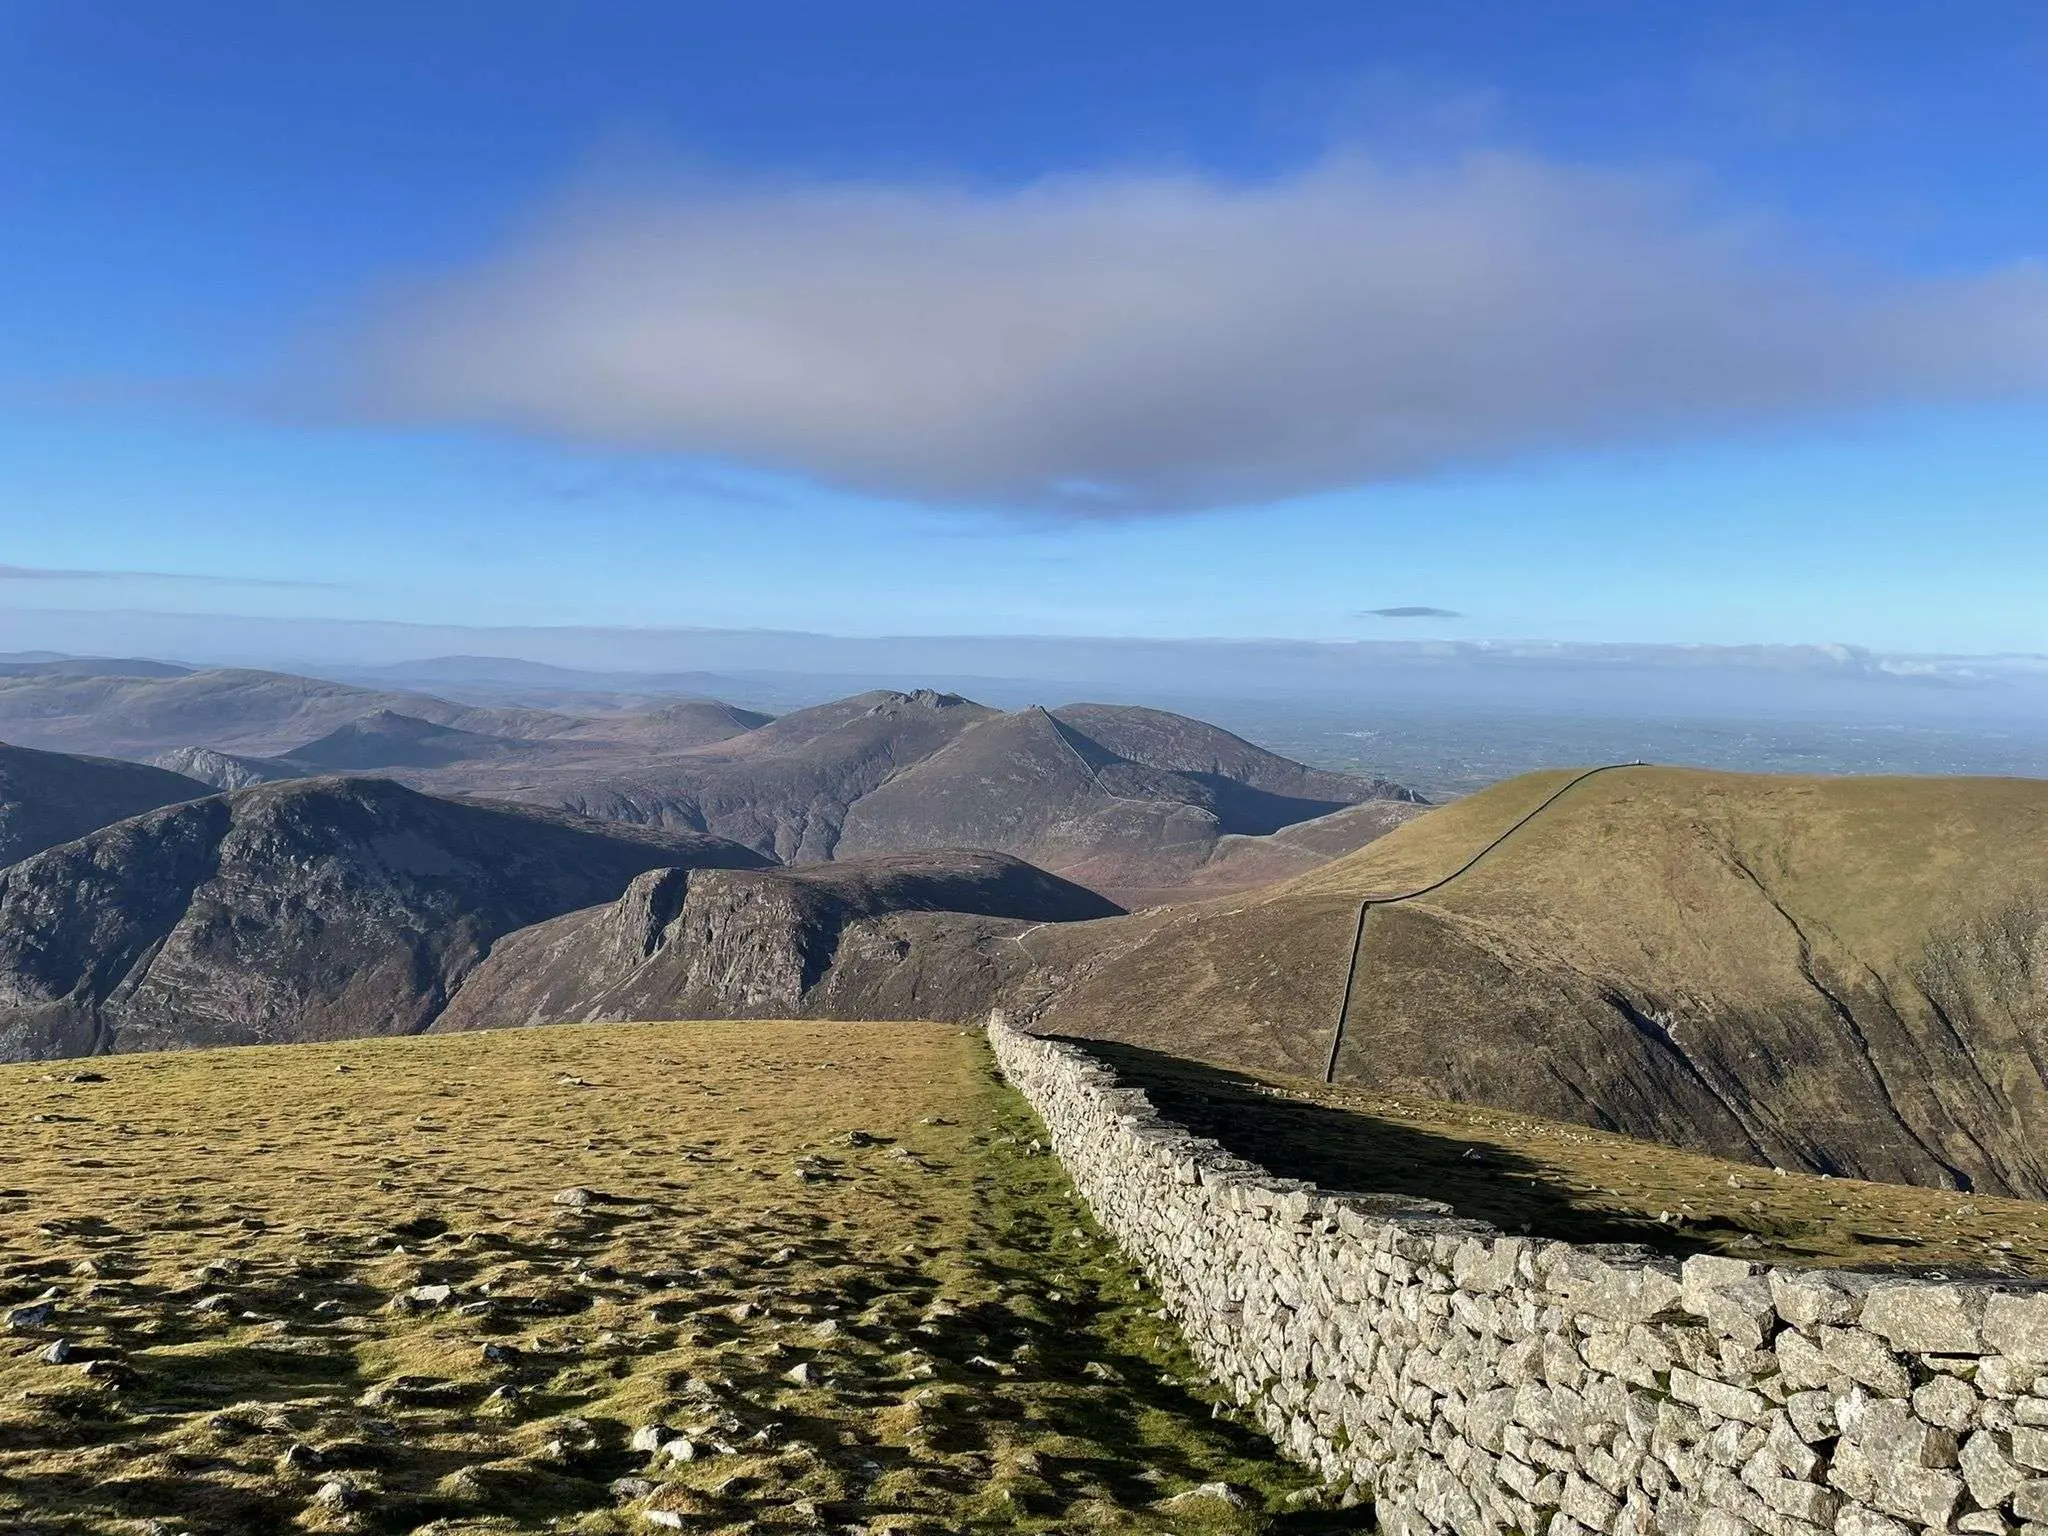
(48, 798)
(317, 909)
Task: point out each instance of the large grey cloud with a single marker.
(1159, 343)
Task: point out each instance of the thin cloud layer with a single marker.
(61, 573)
(1157, 343)
(1411, 611)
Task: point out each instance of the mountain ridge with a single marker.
(47, 798)
(311, 909)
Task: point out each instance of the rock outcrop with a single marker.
(317, 909)
(227, 770)
(905, 936)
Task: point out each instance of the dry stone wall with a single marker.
(1472, 1381)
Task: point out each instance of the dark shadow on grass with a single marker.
(1348, 1150)
(239, 1373)
(1078, 1309)
(70, 1502)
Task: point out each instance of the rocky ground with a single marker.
(702, 1277)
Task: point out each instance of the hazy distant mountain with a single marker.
(53, 666)
(145, 711)
(48, 798)
(254, 714)
(1115, 797)
(510, 672)
(316, 909)
(1807, 682)
(1130, 801)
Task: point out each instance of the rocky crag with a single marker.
(319, 909)
(930, 935)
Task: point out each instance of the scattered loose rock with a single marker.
(1206, 1493)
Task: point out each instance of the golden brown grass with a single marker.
(1555, 1179)
(823, 1254)
(1840, 975)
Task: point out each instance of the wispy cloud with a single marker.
(1411, 611)
(60, 573)
(1137, 343)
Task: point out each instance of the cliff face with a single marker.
(317, 909)
(910, 936)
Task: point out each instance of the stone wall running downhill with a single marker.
(1467, 1380)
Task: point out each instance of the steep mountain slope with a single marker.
(1119, 798)
(1237, 862)
(882, 937)
(1842, 975)
(316, 909)
(48, 798)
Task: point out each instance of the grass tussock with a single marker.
(701, 1277)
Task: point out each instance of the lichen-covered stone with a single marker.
(2017, 1325)
(1809, 1298)
(1927, 1319)
(1480, 1383)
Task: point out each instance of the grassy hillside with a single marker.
(337, 1287)
(1524, 1173)
(1841, 975)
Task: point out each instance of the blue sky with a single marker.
(1593, 322)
